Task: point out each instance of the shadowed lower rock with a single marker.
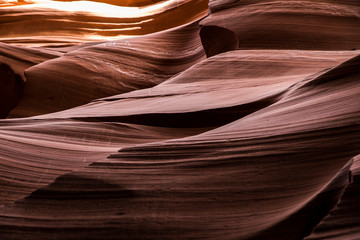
(11, 89)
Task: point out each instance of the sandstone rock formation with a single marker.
(214, 120)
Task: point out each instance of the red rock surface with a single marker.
(242, 124)
(108, 68)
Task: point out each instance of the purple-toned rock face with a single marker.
(179, 119)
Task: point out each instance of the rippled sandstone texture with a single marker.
(242, 124)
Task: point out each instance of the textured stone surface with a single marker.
(239, 124)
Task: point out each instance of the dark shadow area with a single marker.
(74, 187)
(216, 40)
(301, 223)
(11, 89)
(204, 119)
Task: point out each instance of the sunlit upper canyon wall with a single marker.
(48, 21)
(180, 119)
(109, 65)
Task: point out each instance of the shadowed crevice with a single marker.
(217, 40)
(207, 118)
(300, 224)
(11, 89)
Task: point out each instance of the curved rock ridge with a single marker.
(18, 59)
(238, 82)
(47, 22)
(249, 179)
(14, 60)
(320, 25)
(108, 68)
(233, 120)
(184, 101)
(116, 207)
(343, 221)
(21, 58)
(35, 152)
(268, 138)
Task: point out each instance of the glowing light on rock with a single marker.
(95, 8)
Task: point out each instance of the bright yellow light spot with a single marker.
(96, 8)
